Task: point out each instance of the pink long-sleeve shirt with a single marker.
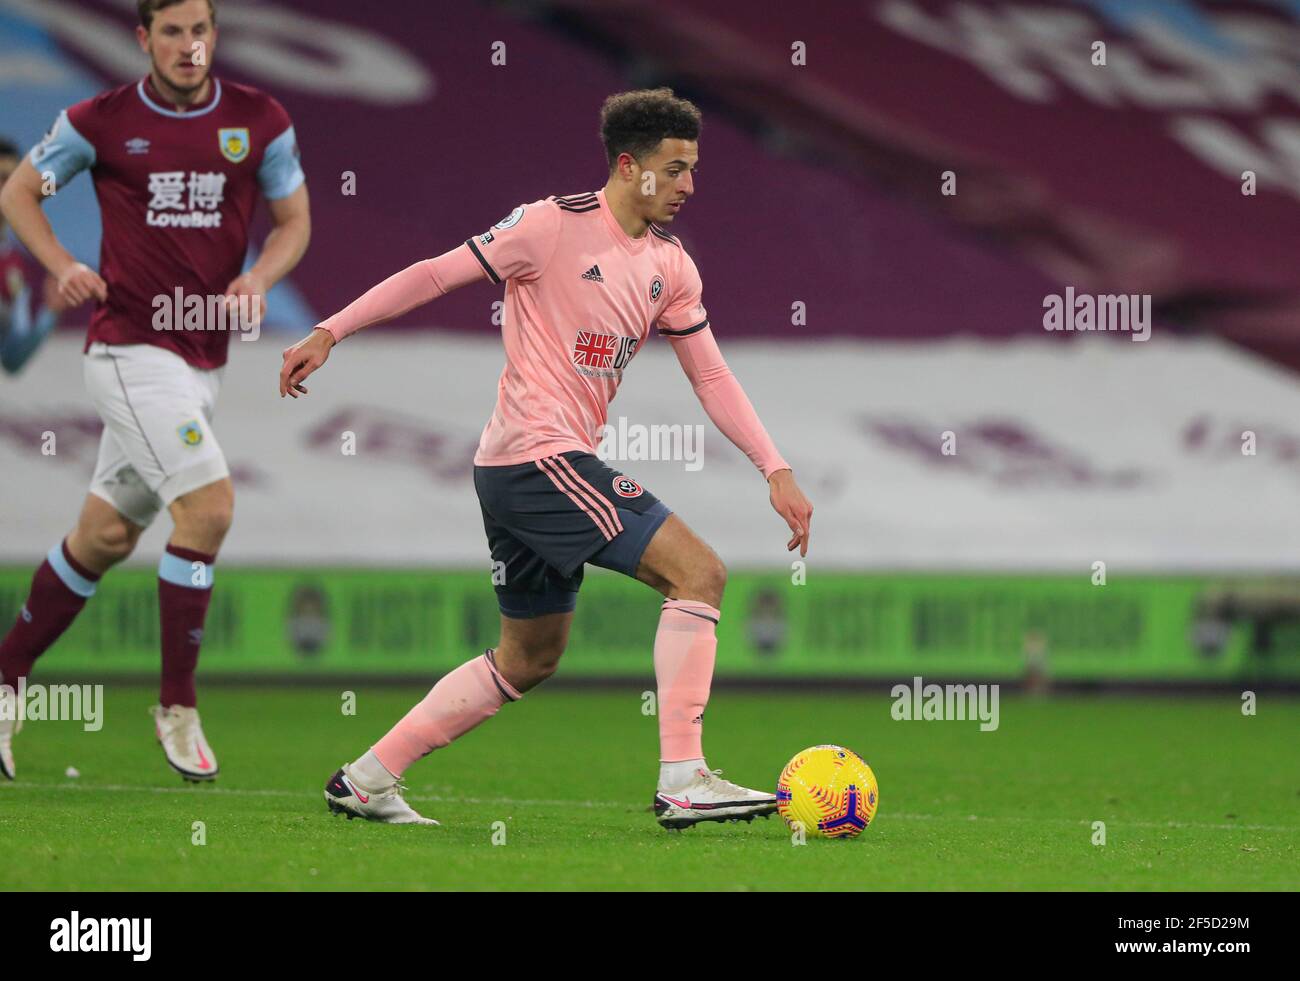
(581, 298)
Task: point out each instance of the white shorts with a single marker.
(158, 442)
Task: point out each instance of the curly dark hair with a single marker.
(147, 8)
(635, 122)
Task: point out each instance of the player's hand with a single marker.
(252, 291)
(788, 501)
(302, 359)
(79, 283)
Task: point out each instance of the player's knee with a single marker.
(110, 541)
(208, 524)
(527, 664)
(715, 578)
(706, 580)
(543, 661)
(206, 515)
(530, 668)
(219, 517)
(541, 670)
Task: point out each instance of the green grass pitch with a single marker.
(1194, 795)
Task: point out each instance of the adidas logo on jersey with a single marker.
(594, 275)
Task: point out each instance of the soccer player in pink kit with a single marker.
(178, 160)
(586, 277)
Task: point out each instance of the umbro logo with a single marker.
(594, 275)
(137, 145)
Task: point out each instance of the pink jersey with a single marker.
(176, 191)
(581, 297)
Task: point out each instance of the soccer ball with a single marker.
(829, 791)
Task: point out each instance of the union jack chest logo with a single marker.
(593, 350)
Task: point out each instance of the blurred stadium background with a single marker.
(866, 313)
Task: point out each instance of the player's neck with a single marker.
(633, 224)
(176, 98)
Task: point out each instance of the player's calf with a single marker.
(186, 574)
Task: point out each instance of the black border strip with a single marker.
(702, 616)
(656, 230)
(685, 330)
(489, 656)
(487, 266)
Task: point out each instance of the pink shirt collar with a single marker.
(633, 245)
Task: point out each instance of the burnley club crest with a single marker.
(234, 143)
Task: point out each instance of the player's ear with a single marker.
(142, 36)
(627, 167)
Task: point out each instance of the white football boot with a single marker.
(181, 735)
(10, 725)
(344, 796)
(710, 798)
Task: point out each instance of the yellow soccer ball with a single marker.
(829, 791)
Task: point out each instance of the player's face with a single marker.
(673, 166)
(180, 42)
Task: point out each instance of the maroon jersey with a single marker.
(176, 195)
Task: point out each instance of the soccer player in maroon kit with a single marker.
(178, 160)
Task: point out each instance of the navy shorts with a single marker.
(545, 519)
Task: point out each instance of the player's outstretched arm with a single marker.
(398, 294)
(20, 202)
(727, 405)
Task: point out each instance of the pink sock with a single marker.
(686, 646)
(460, 701)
